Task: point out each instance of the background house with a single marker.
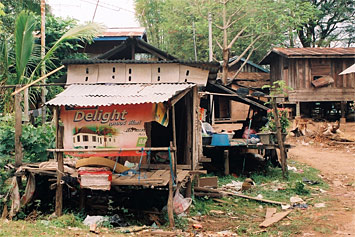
(313, 73)
(249, 80)
(111, 38)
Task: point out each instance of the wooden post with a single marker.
(195, 139)
(343, 110)
(171, 194)
(279, 139)
(298, 109)
(226, 162)
(60, 170)
(174, 133)
(18, 130)
(82, 197)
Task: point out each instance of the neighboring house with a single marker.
(111, 38)
(313, 73)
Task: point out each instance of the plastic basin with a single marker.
(220, 140)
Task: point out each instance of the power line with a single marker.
(97, 4)
(110, 8)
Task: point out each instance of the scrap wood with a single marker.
(270, 212)
(213, 195)
(162, 233)
(274, 218)
(238, 195)
(132, 229)
(154, 218)
(257, 199)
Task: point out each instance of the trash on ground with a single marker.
(94, 220)
(247, 184)
(311, 182)
(296, 199)
(197, 226)
(319, 205)
(217, 212)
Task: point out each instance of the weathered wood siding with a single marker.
(298, 73)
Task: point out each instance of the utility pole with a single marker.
(43, 53)
(210, 53)
(194, 36)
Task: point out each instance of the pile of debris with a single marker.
(321, 132)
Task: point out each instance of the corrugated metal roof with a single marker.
(315, 51)
(309, 53)
(117, 94)
(128, 31)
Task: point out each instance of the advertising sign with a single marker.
(116, 126)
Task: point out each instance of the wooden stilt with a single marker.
(82, 196)
(298, 109)
(171, 191)
(60, 170)
(226, 162)
(343, 111)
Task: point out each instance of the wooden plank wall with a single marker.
(301, 72)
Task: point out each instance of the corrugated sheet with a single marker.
(130, 31)
(117, 94)
(315, 51)
(309, 53)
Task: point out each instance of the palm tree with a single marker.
(26, 63)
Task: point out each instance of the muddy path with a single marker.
(337, 167)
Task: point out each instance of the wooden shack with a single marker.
(144, 111)
(313, 73)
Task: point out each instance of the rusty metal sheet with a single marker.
(130, 31)
(294, 52)
(117, 94)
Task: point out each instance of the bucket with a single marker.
(219, 139)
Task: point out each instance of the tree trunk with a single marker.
(225, 47)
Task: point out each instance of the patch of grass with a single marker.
(248, 214)
(322, 229)
(67, 220)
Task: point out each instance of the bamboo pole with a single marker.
(39, 79)
(113, 149)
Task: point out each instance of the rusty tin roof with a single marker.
(117, 94)
(309, 53)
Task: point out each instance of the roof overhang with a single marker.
(236, 97)
(308, 53)
(86, 95)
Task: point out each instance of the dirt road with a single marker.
(337, 166)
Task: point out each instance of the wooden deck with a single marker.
(154, 178)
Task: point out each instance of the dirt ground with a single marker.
(336, 163)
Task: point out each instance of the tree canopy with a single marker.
(240, 27)
(332, 26)
(170, 24)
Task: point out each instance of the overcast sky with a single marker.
(112, 13)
